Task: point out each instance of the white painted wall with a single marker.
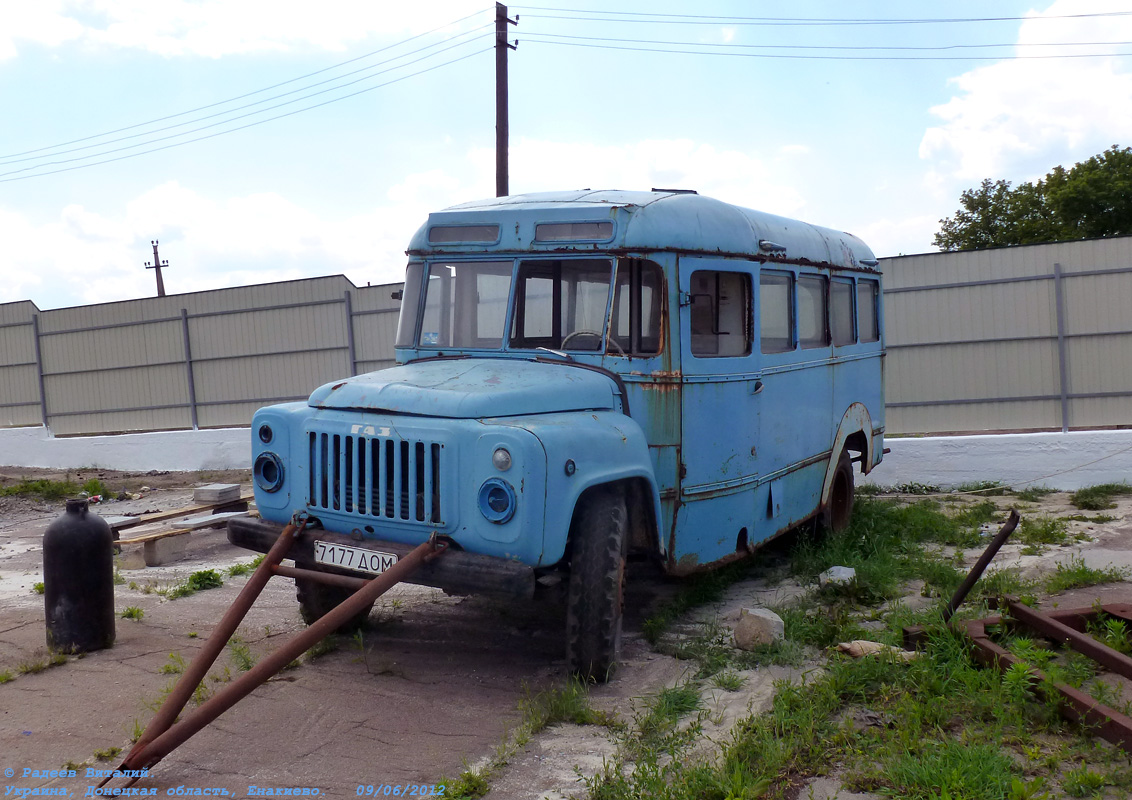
(1057, 460)
(176, 451)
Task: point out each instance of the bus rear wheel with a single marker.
(840, 507)
(597, 577)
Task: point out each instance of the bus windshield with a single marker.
(559, 304)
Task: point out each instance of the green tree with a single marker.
(1092, 199)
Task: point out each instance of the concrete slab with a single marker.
(166, 549)
(217, 493)
(210, 520)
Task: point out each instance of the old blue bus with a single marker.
(584, 377)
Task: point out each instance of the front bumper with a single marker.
(458, 572)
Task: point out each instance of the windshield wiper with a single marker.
(566, 356)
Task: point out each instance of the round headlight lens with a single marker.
(497, 501)
(268, 471)
(501, 459)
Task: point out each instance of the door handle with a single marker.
(758, 387)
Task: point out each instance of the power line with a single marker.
(703, 19)
(248, 105)
(543, 35)
(257, 91)
(827, 57)
(250, 124)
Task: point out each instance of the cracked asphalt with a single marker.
(433, 682)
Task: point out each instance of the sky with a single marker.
(266, 140)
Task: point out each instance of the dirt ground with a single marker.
(432, 685)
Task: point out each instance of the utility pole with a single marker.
(501, 48)
(157, 265)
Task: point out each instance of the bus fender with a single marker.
(856, 420)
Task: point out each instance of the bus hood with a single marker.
(471, 388)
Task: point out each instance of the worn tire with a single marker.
(316, 600)
(840, 508)
(597, 576)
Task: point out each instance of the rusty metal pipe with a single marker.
(330, 578)
(980, 566)
(219, 637)
(227, 697)
(1081, 642)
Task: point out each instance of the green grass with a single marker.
(947, 728)
(1097, 518)
(244, 568)
(132, 612)
(197, 582)
(41, 489)
(1074, 574)
(570, 703)
(1033, 494)
(107, 753)
(6, 676)
(175, 665)
(241, 656)
(698, 590)
(983, 488)
(1038, 532)
(1100, 497)
(38, 587)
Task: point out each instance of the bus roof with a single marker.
(646, 221)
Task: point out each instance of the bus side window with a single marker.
(776, 312)
(720, 313)
(841, 311)
(813, 312)
(637, 307)
(868, 324)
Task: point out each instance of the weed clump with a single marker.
(1100, 497)
(197, 582)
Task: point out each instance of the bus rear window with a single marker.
(868, 322)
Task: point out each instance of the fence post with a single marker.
(351, 354)
(1062, 357)
(189, 367)
(39, 368)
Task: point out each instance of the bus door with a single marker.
(719, 409)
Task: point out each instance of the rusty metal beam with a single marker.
(1081, 642)
(980, 566)
(1110, 724)
(219, 637)
(268, 666)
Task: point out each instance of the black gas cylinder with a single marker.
(78, 581)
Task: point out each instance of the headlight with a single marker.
(497, 501)
(268, 471)
(266, 434)
(501, 459)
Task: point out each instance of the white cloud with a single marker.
(97, 255)
(729, 175)
(214, 28)
(1017, 119)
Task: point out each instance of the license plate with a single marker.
(339, 555)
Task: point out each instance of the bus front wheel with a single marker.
(840, 506)
(316, 600)
(597, 576)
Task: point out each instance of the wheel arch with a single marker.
(855, 433)
(642, 503)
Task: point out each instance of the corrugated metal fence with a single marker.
(1020, 338)
(206, 359)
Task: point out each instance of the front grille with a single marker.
(378, 477)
